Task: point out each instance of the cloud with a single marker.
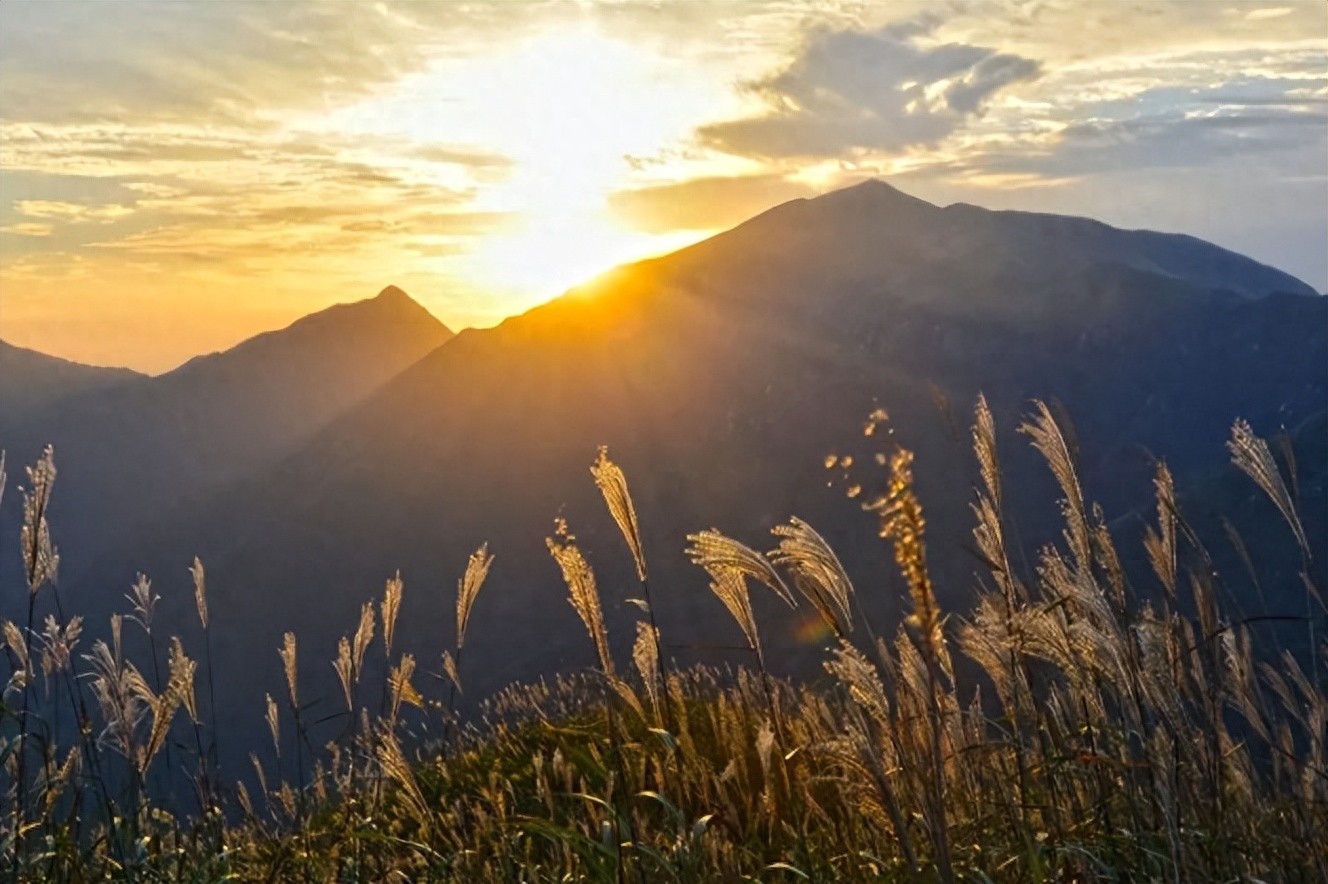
(28, 229)
(71, 211)
(702, 203)
(460, 156)
(1255, 118)
(68, 62)
(880, 91)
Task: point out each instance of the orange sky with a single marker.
(177, 177)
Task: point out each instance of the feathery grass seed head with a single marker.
(200, 591)
(817, 572)
(144, 601)
(291, 666)
(477, 569)
(391, 605)
(716, 552)
(1251, 454)
(612, 484)
(364, 634)
(584, 595)
(41, 561)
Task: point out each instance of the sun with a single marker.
(570, 111)
(553, 253)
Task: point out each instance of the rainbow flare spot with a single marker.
(812, 630)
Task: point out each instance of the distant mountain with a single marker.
(31, 381)
(128, 451)
(721, 377)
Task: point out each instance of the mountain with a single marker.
(31, 381)
(127, 452)
(721, 377)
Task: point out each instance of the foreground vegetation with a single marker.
(1061, 730)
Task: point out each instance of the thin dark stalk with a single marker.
(659, 655)
(214, 751)
(84, 725)
(452, 722)
(944, 864)
(21, 798)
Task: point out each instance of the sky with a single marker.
(176, 177)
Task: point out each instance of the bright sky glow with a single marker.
(179, 176)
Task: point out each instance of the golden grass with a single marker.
(1082, 738)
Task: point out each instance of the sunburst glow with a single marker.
(565, 117)
(251, 163)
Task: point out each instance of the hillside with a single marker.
(127, 453)
(722, 376)
(32, 381)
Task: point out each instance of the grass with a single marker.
(1063, 729)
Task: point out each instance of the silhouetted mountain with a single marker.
(127, 452)
(31, 381)
(721, 377)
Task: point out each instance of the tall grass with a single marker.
(1062, 729)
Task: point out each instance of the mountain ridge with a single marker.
(156, 440)
(721, 396)
(31, 380)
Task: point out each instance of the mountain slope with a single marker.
(722, 376)
(31, 381)
(127, 453)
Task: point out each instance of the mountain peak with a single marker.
(872, 194)
(392, 293)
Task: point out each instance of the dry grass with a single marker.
(1083, 738)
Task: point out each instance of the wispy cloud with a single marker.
(248, 161)
(885, 90)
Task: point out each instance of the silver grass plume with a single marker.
(291, 666)
(246, 803)
(4, 477)
(363, 636)
(274, 723)
(450, 670)
(144, 601)
(902, 522)
(393, 763)
(612, 484)
(477, 569)
(717, 553)
(402, 690)
(1250, 453)
(120, 691)
(18, 644)
(987, 531)
(629, 697)
(261, 774)
(860, 677)
(1161, 544)
(645, 654)
(817, 572)
(984, 443)
(390, 607)
(40, 558)
(344, 667)
(182, 671)
(58, 643)
(200, 591)
(286, 795)
(731, 588)
(584, 595)
(1050, 442)
(163, 707)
